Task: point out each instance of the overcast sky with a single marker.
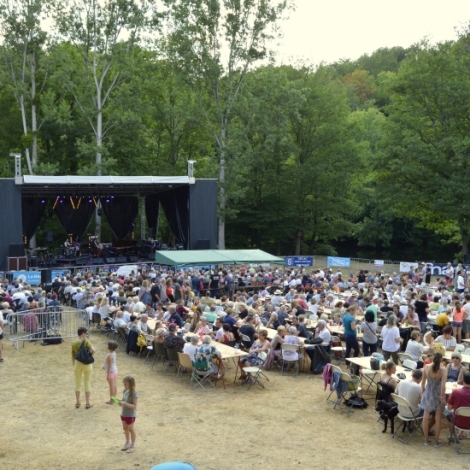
(329, 30)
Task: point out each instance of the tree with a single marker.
(104, 34)
(216, 42)
(22, 53)
(425, 159)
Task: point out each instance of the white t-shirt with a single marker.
(460, 283)
(325, 335)
(389, 335)
(415, 349)
(190, 350)
(412, 392)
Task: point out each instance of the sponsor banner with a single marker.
(33, 278)
(439, 269)
(379, 263)
(292, 261)
(337, 261)
(406, 266)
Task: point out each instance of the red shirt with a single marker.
(459, 399)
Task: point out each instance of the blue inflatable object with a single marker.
(173, 466)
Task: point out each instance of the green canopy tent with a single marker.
(211, 257)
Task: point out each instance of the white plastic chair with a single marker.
(411, 365)
(459, 348)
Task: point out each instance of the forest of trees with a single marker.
(365, 158)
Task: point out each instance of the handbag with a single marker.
(84, 355)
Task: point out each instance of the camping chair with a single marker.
(403, 357)
(172, 356)
(254, 372)
(159, 351)
(290, 347)
(201, 373)
(350, 386)
(337, 349)
(464, 412)
(410, 365)
(185, 364)
(405, 419)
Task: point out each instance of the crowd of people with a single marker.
(408, 313)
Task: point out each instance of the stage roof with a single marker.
(208, 257)
(45, 186)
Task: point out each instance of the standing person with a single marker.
(82, 369)
(422, 309)
(129, 412)
(144, 292)
(369, 330)
(391, 339)
(111, 370)
(433, 387)
(350, 333)
(214, 283)
(459, 316)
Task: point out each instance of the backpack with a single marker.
(374, 363)
(141, 341)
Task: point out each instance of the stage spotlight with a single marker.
(112, 197)
(43, 201)
(107, 200)
(90, 201)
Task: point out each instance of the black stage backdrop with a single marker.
(175, 203)
(152, 210)
(11, 228)
(33, 210)
(121, 213)
(75, 217)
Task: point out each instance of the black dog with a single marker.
(387, 411)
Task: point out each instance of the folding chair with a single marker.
(409, 364)
(351, 386)
(336, 349)
(184, 364)
(122, 336)
(403, 357)
(172, 357)
(201, 373)
(464, 412)
(159, 351)
(149, 339)
(333, 370)
(405, 419)
(254, 372)
(290, 347)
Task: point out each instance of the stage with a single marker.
(189, 206)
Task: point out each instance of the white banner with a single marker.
(405, 266)
(379, 263)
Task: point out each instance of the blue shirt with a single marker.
(347, 320)
(175, 318)
(231, 321)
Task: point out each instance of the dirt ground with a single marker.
(288, 425)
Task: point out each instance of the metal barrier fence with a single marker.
(51, 324)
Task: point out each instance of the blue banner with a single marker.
(55, 273)
(336, 261)
(33, 278)
(298, 260)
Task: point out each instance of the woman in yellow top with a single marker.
(82, 369)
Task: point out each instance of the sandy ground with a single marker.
(287, 425)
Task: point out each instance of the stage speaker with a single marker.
(152, 232)
(98, 260)
(49, 237)
(16, 250)
(203, 245)
(466, 259)
(110, 260)
(46, 276)
(121, 259)
(80, 261)
(133, 259)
